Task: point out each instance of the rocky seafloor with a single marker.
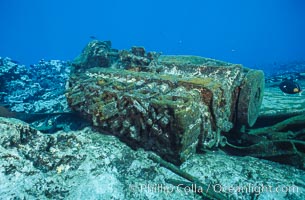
(86, 164)
(68, 159)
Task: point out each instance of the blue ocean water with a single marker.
(253, 33)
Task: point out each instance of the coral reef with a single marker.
(36, 93)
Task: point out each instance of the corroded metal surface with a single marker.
(168, 104)
(143, 109)
(250, 97)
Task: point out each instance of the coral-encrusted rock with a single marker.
(39, 88)
(168, 104)
(38, 147)
(88, 165)
(11, 73)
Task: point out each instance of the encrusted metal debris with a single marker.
(168, 104)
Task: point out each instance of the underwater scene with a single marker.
(143, 100)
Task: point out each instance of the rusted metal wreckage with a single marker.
(168, 104)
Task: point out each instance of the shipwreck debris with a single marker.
(167, 104)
